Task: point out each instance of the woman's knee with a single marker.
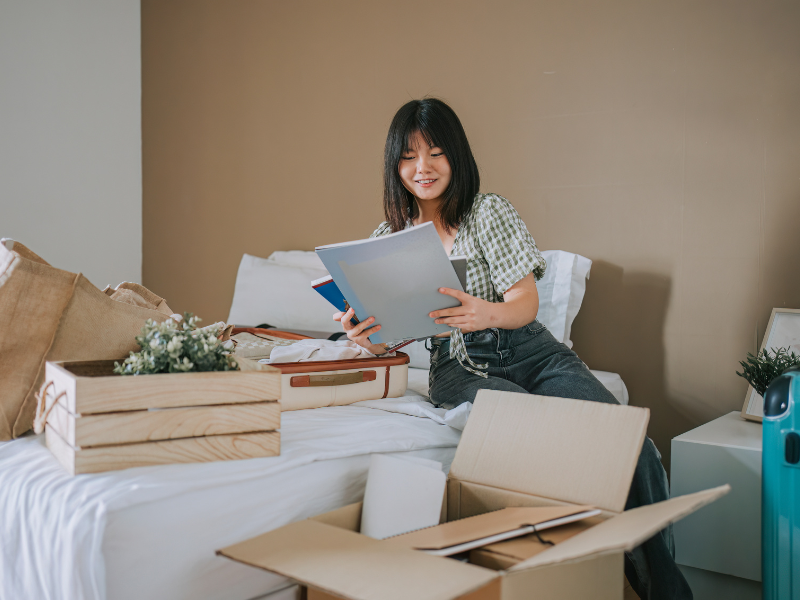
(571, 379)
(457, 391)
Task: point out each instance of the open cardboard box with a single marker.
(517, 450)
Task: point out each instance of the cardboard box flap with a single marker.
(570, 450)
(525, 547)
(353, 566)
(481, 526)
(625, 531)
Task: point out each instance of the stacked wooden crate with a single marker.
(103, 422)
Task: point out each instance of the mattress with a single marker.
(151, 532)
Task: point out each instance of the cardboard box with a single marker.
(503, 555)
(517, 450)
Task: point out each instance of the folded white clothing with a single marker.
(310, 350)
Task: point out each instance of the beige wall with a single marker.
(659, 139)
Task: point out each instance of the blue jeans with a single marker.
(530, 360)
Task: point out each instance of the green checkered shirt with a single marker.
(500, 251)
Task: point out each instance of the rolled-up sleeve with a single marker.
(383, 229)
(506, 243)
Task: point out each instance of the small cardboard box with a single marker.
(97, 421)
(517, 450)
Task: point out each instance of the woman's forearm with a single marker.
(519, 308)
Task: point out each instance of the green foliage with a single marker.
(761, 369)
(172, 347)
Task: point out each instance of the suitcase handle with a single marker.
(330, 380)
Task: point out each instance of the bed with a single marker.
(151, 532)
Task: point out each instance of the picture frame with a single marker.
(783, 331)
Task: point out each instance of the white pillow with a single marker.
(293, 304)
(297, 258)
(281, 295)
(561, 292)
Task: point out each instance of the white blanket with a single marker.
(151, 532)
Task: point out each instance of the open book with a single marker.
(327, 288)
(394, 278)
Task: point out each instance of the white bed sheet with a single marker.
(151, 532)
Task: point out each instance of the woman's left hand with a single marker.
(474, 314)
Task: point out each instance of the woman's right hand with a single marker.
(360, 333)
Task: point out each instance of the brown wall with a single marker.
(659, 139)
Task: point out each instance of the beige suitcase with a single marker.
(315, 384)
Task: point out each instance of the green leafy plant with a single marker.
(761, 369)
(178, 347)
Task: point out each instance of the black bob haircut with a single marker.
(440, 127)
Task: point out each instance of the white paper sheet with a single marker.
(403, 494)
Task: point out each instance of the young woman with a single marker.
(496, 343)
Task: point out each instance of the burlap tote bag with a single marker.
(51, 314)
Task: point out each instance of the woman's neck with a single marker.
(427, 212)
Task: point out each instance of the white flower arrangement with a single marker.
(173, 347)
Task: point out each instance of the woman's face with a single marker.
(424, 170)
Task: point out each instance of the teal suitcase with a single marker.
(780, 518)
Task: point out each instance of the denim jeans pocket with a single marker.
(482, 336)
(534, 328)
(483, 346)
(435, 351)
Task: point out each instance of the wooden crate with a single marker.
(126, 427)
(187, 450)
(103, 421)
(91, 387)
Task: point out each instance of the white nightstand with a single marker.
(719, 546)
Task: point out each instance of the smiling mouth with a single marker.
(425, 181)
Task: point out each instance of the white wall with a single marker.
(70, 134)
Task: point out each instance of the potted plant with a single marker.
(761, 369)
